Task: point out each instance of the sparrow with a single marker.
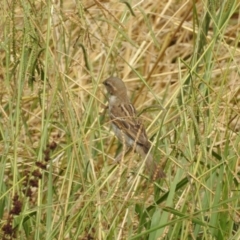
(127, 126)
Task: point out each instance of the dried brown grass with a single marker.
(76, 47)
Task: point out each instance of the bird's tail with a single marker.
(156, 172)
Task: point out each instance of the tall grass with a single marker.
(180, 62)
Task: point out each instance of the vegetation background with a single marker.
(180, 61)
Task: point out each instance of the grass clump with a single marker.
(180, 61)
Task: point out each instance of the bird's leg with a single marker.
(121, 155)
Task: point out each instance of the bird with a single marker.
(127, 127)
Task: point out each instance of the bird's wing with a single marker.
(123, 115)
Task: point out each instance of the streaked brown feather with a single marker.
(130, 124)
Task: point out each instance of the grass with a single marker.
(180, 61)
